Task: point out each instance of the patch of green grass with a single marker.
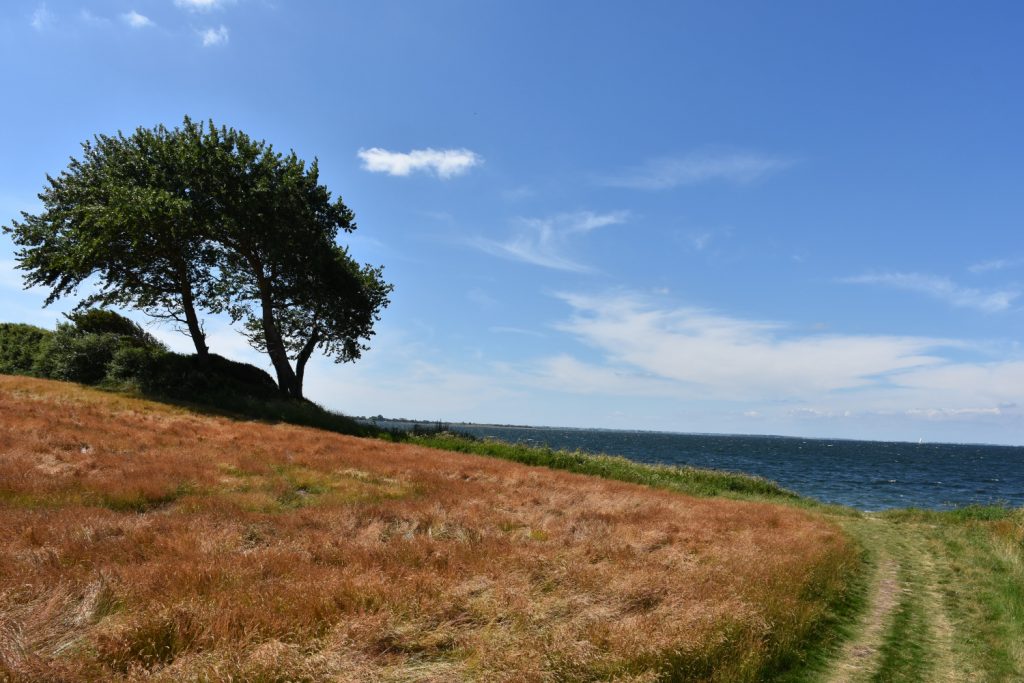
(290, 487)
(138, 501)
(682, 479)
(122, 501)
(968, 513)
(845, 606)
(983, 584)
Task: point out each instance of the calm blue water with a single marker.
(870, 475)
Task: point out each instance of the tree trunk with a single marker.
(286, 380)
(300, 362)
(195, 330)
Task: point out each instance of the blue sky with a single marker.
(779, 218)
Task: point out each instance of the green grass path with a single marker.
(945, 603)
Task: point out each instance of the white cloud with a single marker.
(214, 36)
(665, 173)
(504, 329)
(701, 241)
(716, 356)
(566, 374)
(543, 241)
(136, 20)
(943, 289)
(199, 5)
(847, 384)
(445, 163)
(953, 413)
(42, 18)
(995, 264)
(93, 19)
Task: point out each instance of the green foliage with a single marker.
(134, 365)
(83, 349)
(174, 222)
(338, 325)
(124, 213)
(73, 357)
(19, 346)
(185, 378)
(105, 321)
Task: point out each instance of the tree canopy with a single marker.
(178, 222)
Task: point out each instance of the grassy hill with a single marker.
(143, 541)
(148, 541)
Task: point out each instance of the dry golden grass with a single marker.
(142, 542)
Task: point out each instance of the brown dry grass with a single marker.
(143, 542)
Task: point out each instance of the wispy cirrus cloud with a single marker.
(444, 163)
(545, 241)
(136, 20)
(941, 288)
(723, 357)
(200, 5)
(668, 172)
(214, 36)
(42, 18)
(994, 265)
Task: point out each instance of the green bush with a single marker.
(134, 364)
(19, 345)
(104, 321)
(177, 376)
(73, 357)
(84, 348)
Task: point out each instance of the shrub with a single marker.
(104, 321)
(19, 345)
(177, 376)
(134, 364)
(250, 379)
(83, 349)
(73, 357)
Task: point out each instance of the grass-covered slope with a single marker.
(143, 541)
(689, 480)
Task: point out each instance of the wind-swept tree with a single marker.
(280, 268)
(204, 218)
(338, 325)
(127, 213)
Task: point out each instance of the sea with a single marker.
(868, 475)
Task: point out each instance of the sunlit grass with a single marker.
(142, 541)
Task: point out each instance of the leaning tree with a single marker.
(127, 214)
(201, 218)
(339, 326)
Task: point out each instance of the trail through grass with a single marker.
(946, 602)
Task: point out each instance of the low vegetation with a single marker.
(145, 541)
(690, 480)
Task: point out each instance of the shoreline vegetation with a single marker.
(901, 595)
